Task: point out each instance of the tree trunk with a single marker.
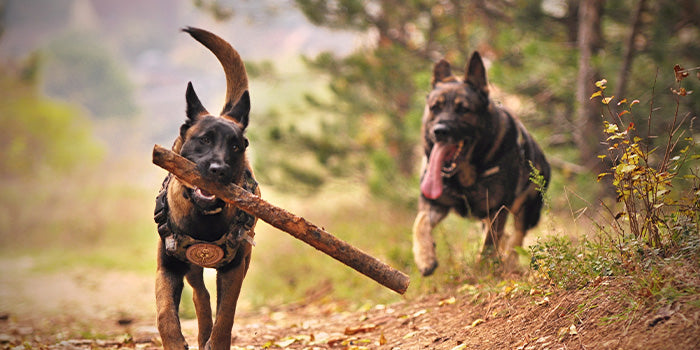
(587, 120)
(629, 51)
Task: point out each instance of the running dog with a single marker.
(478, 161)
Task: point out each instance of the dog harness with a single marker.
(204, 253)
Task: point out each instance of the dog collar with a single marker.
(212, 254)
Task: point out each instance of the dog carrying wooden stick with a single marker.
(202, 227)
(197, 229)
(296, 226)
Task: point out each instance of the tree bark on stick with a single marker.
(296, 226)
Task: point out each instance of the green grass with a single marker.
(82, 218)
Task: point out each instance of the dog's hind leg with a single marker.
(228, 288)
(169, 284)
(423, 243)
(526, 214)
(202, 304)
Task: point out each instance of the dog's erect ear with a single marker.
(475, 74)
(195, 109)
(441, 72)
(239, 112)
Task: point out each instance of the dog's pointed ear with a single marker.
(442, 71)
(240, 111)
(475, 74)
(195, 109)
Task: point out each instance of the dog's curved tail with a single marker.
(236, 77)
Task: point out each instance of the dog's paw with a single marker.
(428, 269)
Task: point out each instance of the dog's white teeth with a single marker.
(205, 196)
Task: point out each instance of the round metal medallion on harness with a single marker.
(205, 255)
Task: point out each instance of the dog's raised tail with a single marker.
(236, 76)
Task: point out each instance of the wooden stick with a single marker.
(296, 226)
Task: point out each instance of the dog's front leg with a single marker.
(228, 288)
(202, 304)
(169, 283)
(423, 243)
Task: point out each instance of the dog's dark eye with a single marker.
(435, 107)
(461, 108)
(235, 148)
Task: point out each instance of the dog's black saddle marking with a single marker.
(176, 244)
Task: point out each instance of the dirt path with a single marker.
(469, 317)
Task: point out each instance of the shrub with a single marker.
(653, 238)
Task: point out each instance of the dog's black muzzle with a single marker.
(206, 202)
(451, 132)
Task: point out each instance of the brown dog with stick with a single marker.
(197, 229)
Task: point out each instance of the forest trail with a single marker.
(506, 316)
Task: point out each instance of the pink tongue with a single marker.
(431, 186)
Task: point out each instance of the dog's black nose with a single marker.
(441, 132)
(218, 170)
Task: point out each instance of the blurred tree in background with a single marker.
(543, 55)
(37, 134)
(79, 68)
(550, 52)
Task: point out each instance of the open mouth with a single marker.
(203, 195)
(207, 202)
(449, 164)
(442, 162)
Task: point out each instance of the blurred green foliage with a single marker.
(37, 133)
(78, 67)
(58, 198)
(374, 102)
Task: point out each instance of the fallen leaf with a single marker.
(410, 334)
(544, 301)
(382, 339)
(420, 312)
(448, 301)
(460, 346)
(469, 288)
(476, 322)
(335, 341)
(285, 342)
(572, 330)
(360, 329)
(563, 332)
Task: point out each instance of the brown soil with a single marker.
(602, 316)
